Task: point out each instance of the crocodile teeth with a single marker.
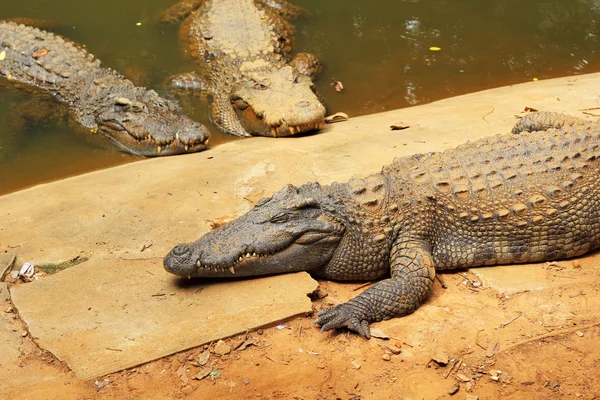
(232, 270)
(177, 135)
(292, 130)
(274, 131)
(254, 254)
(159, 149)
(241, 258)
(198, 263)
(186, 147)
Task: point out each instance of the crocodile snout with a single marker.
(181, 250)
(180, 261)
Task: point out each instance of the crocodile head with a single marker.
(287, 232)
(276, 101)
(143, 123)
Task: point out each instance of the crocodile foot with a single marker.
(343, 315)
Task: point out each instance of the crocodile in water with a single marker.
(242, 48)
(526, 197)
(137, 120)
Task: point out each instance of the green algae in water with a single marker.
(51, 268)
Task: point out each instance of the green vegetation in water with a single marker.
(51, 268)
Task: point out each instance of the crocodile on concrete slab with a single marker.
(514, 198)
(242, 47)
(102, 101)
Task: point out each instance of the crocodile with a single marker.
(242, 48)
(513, 198)
(99, 99)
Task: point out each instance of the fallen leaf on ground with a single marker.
(493, 349)
(337, 117)
(399, 126)
(40, 53)
(202, 374)
(203, 358)
(379, 334)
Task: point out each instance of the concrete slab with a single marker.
(133, 312)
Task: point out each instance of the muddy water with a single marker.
(379, 50)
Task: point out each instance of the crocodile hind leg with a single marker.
(307, 64)
(189, 82)
(412, 275)
(541, 121)
(283, 8)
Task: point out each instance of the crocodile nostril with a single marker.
(303, 103)
(181, 250)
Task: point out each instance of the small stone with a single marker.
(9, 310)
(181, 358)
(101, 384)
(575, 293)
(468, 386)
(576, 264)
(472, 397)
(356, 364)
(463, 377)
(390, 347)
(454, 389)
(440, 357)
(23, 334)
(222, 348)
(246, 381)
(579, 333)
(260, 331)
(386, 357)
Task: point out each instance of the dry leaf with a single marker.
(337, 117)
(530, 109)
(337, 85)
(40, 53)
(399, 126)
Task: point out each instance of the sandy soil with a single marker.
(528, 345)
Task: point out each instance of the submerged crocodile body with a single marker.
(516, 198)
(137, 120)
(242, 47)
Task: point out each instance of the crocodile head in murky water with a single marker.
(143, 123)
(276, 101)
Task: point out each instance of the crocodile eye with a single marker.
(280, 217)
(260, 86)
(138, 108)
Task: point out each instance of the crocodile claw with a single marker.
(342, 316)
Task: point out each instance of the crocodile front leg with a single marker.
(223, 115)
(179, 11)
(412, 275)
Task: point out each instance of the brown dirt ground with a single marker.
(548, 346)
